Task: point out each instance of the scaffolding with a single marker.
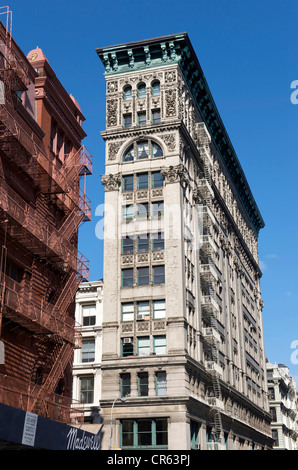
(50, 242)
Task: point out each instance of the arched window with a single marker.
(155, 88)
(141, 90)
(142, 149)
(127, 93)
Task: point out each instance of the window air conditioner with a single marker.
(127, 340)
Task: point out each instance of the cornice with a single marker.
(177, 49)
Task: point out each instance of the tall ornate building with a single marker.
(182, 310)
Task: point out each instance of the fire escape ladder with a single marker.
(67, 294)
(71, 224)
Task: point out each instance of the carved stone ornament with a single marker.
(170, 141)
(112, 112)
(173, 174)
(111, 182)
(113, 149)
(170, 98)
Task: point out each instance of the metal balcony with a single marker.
(216, 403)
(210, 334)
(212, 366)
(209, 303)
(207, 244)
(207, 271)
(204, 188)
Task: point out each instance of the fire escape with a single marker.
(48, 243)
(209, 279)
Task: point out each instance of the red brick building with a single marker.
(42, 163)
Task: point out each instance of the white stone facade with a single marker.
(182, 319)
(87, 359)
(283, 407)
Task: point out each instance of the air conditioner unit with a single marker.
(127, 340)
(141, 316)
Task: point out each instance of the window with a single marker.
(143, 346)
(155, 88)
(143, 310)
(142, 149)
(127, 245)
(161, 384)
(142, 118)
(155, 116)
(127, 183)
(143, 276)
(157, 209)
(127, 213)
(88, 350)
(89, 315)
(158, 274)
(275, 437)
(127, 311)
(159, 345)
(126, 347)
(141, 90)
(156, 150)
(144, 433)
(159, 309)
(87, 389)
(129, 154)
(142, 180)
(143, 243)
(127, 277)
(127, 93)
(127, 120)
(125, 385)
(53, 136)
(143, 387)
(156, 179)
(142, 211)
(157, 241)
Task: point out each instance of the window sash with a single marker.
(87, 389)
(127, 183)
(143, 276)
(159, 345)
(161, 384)
(144, 433)
(143, 308)
(142, 150)
(127, 311)
(125, 385)
(144, 346)
(142, 118)
(127, 277)
(127, 245)
(89, 315)
(158, 274)
(142, 180)
(157, 209)
(142, 211)
(143, 384)
(128, 212)
(127, 120)
(159, 309)
(157, 241)
(143, 244)
(88, 350)
(156, 179)
(155, 116)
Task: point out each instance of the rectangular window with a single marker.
(155, 116)
(127, 311)
(159, 345)
(157, 241)
(142, 179)
(127, 213)
(127, 120)
(142, 118)
(158, 274)
(127, 277)
(157, 209)
(142, 211)
(143, 243)
(143, 346)
(127, 183)
(127, 245)
(161, 384)
(125, 385)
(159, 309)
(143, 387)
(143, 276)
(87, 389)
(144, 433)
(156, 179)
(126, 347)
(88, 350)
(143, 310)
(89, 315)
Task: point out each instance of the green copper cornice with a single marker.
(177, 49)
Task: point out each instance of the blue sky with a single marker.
(248, 51)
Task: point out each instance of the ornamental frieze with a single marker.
(170, 102)
(170, 141)
(112, 112)
(173, 174)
